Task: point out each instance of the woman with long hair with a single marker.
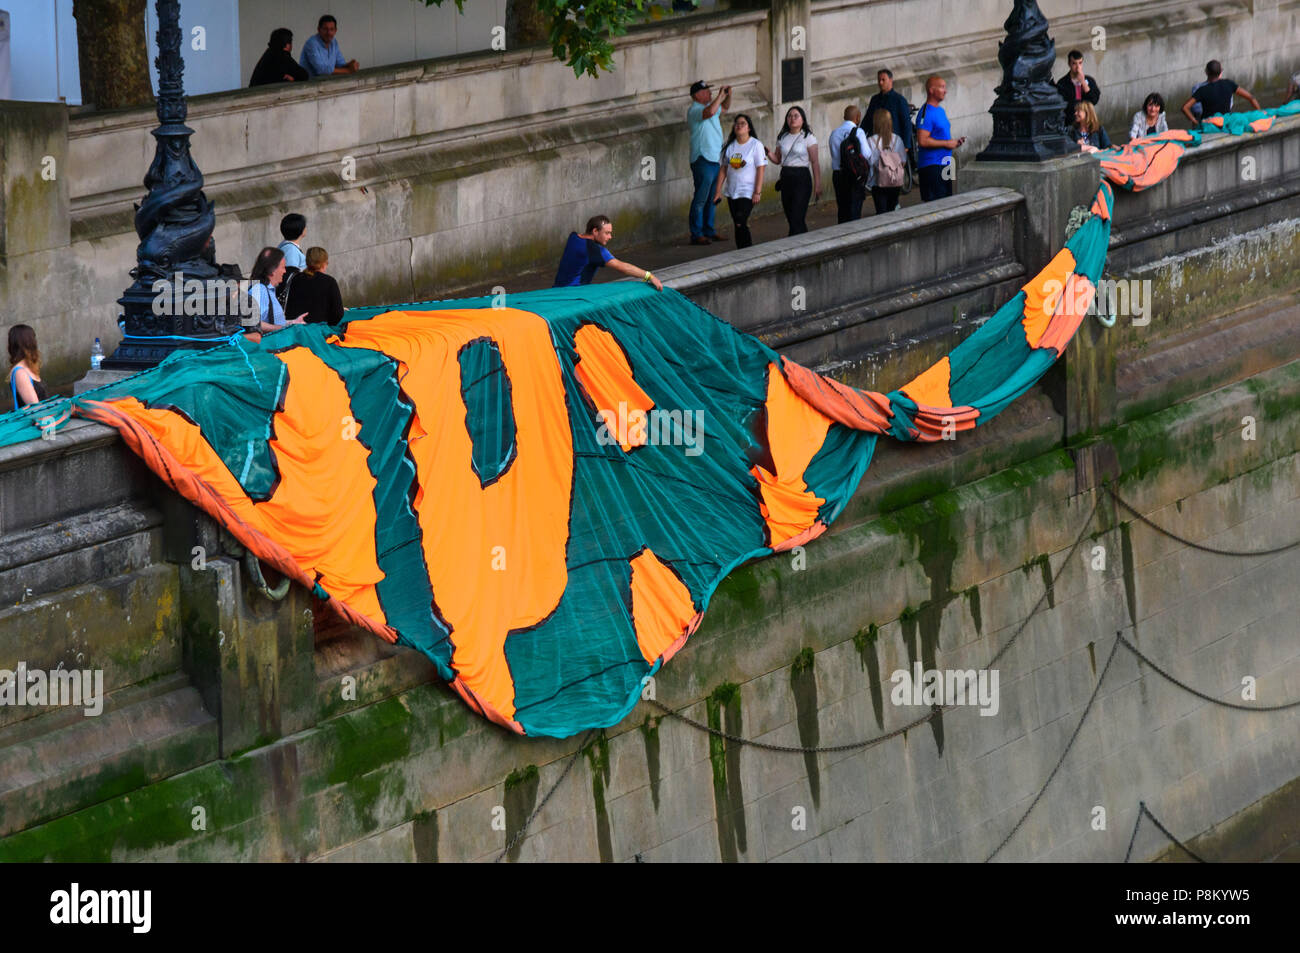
(887, 158)
(1087, 129)
(25, 386)
(801, 176)
(740, 176)
(267, 272)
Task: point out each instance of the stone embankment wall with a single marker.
(425, 177)
(351, 752)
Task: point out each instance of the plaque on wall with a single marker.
(792, 79)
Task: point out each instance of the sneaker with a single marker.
(717, 238)
(699, 240)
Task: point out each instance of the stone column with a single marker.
(789, 78)
(251, 655)
(1082, 384)
(35, 234)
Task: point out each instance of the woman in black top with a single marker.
(315, 292)
(25, 386)
(277, 64)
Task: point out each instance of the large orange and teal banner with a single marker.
(542, 497)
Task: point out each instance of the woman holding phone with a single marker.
(740, 176)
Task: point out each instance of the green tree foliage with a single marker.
(579, 33)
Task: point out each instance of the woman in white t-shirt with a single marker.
(740, 176)
(801, 176)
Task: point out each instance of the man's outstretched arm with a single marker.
(632, 271)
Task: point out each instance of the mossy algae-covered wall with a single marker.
(802, 654)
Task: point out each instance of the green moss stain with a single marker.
(803, 682)
(362, 794)
(723, 708)
(932, 528)
(520, 798)
(650, 737)
(973, 597)
(924, 622)
(368, 738)
(424, 835)
(159, 815)
(865, 642)
(598, 759)
(907, 622)
(1130, 582)
(1044, 564)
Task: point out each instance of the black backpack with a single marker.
(282, 289)
(852, 160)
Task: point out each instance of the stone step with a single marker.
(51, 719)
(84, 548)
(1231, 348)
(128, 626)
(378, 669)
(103, 757)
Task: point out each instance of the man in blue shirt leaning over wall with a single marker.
(585, 253)
(321, 55)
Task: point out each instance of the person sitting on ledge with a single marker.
(268, 316)
(277, 64)
(321, 55)
(315, 293)
(1150, 119)
(584, 253)
(25, 373)
(1088, 130)
(1214, 96)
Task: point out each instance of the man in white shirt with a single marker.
(849, 193)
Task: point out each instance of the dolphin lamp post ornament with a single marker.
(1028, 114)
(181, 298)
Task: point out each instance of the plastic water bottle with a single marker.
(96, 356)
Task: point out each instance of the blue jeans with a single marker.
(705, 174)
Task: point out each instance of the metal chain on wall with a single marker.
(1120, 640)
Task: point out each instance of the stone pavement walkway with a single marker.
(656, 255)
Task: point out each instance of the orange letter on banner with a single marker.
(520, 522)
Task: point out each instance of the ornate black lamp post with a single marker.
(1029, 114)
(174, 223)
